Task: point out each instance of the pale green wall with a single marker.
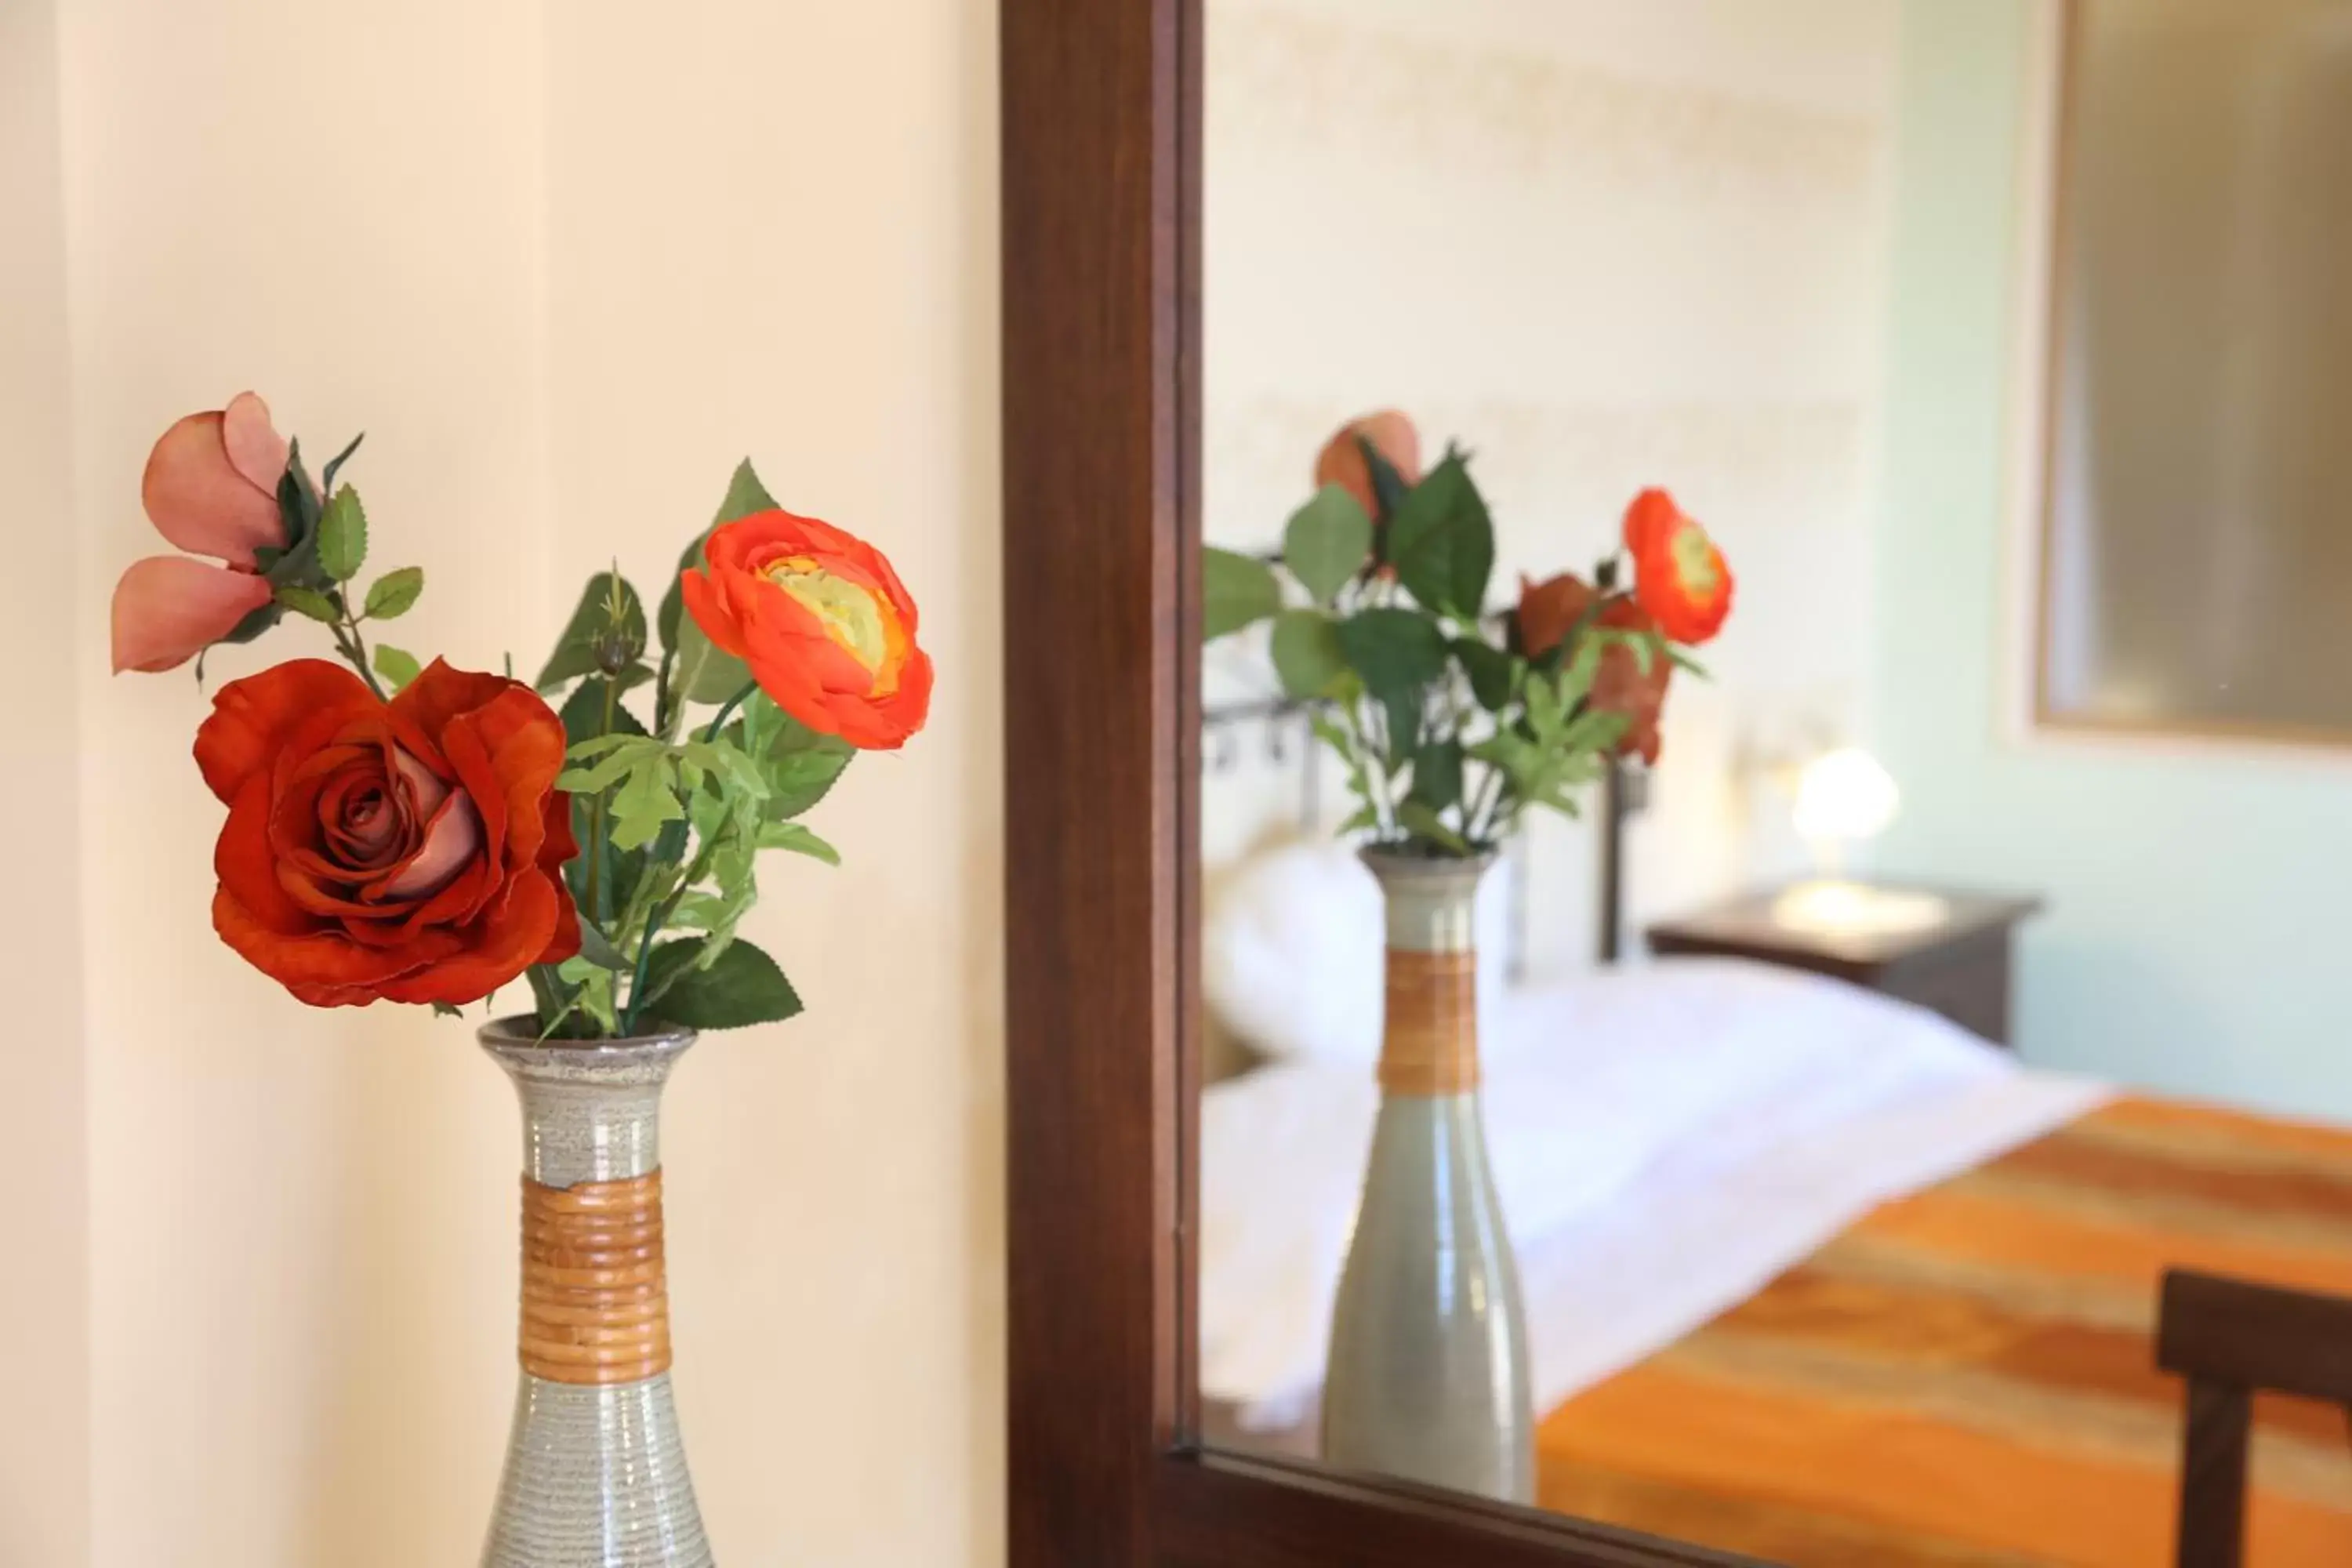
(2197, 940)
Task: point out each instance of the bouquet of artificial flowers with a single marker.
(413, 832)
(1453, 718)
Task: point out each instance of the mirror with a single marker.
(1775, 706)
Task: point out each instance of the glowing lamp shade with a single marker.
(1845, 796)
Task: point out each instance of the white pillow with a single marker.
(1293, 953)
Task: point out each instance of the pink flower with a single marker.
(211, 488)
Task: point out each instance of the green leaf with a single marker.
(443, 1010)
(246, 630)
(1404, 712)
(1236, 591)
(391, 595)
(741, 987)
(1596, 733)
(645, 804)
(583, 714)
(335, 464)
(342, 535)
(1683, 660)
(745, 495)
(800, 764)
(1576, 681)
(1388, 486)
(592, 991)
(580, 751)
(673, 602)
(802, 770)
(724, 759)
(556, 1013)
(1416, 819)
(602, 633)
(1548, 702)
(622, 754)
(1441, 541)
(1364, 817)
(298, 513)
(396, 665)
(1394, 650)
(1490, 673)
(1327, 543)
(705, 672)
(621, 871)
(1437, 774)
(310, 602)
(598, 949)
(1306, 654)
(793, 838)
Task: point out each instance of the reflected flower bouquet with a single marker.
(1451, 717)
(411, 832)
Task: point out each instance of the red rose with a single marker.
(1549, 611)
(411, 851)
(1679, 575)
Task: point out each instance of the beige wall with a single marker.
(564, 266)
(44, 1285)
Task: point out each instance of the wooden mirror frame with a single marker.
(1101, 125)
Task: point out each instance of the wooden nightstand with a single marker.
(1958, 965)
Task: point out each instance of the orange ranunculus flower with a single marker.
(825, 625)
(1679, 576)
(1549, 611)
(1341, 461)
(411, 851)
(211, 488)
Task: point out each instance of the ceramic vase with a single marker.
(595, 1473)
(1427, 1377)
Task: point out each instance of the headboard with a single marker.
(1277, 728)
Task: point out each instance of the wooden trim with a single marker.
(1227, 1510)
(1101, 353)
(2257, 1336)
(2229, 1338)
(2224, 732)
(2210, 1530)
(1094, 756)
(2053, 352)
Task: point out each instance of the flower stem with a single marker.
(353, 647)
(596, 819)
(656, 918)
(728, 710)
(659, 915)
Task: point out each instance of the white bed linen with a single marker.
(1666, 1139)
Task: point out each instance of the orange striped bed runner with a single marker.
(1966, 1378)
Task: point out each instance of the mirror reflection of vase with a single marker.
(1427, 1377)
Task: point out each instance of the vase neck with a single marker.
(1429, 1045)
(591, 1111)
(595, 1290)
(1432, 905)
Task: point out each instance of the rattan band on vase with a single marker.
(595, 1297)
(1430, 1045)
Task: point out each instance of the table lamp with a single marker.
(1843, 799)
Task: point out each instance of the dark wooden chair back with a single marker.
(2229, 1338)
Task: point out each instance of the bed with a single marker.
(1810, 1274)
